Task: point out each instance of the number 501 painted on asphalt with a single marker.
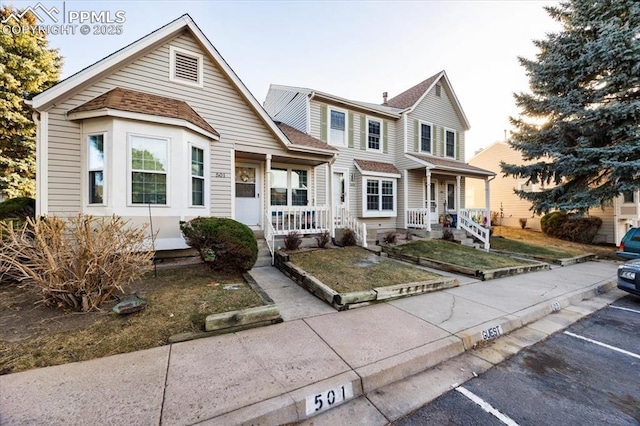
(323, 401)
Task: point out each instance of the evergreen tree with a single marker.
(27, 67)
(585, 85)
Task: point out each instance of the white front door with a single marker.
(433, 204)
(339, 191)
(247, 181)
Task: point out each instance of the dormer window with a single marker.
(185, 67)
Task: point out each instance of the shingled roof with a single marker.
(409, 97)
(376, 167)
(453, 165)
(145, 103)
(299, 138)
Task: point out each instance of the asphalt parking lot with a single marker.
(589, 374)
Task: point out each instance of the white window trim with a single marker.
(205, 186)
(346, 126)
(289, 169)
(105, 166)
(172, 66)
(420, 123)
(379, 212)
(455, 143)
(381, 134)
(130, 170)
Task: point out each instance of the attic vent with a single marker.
(186, 67)
(438, 90)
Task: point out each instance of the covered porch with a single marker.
(434, 196)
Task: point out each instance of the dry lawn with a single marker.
(538, 238)
(32, 335)
(355, 269)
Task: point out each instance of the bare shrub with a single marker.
(77, 262)
(447, 235)
(323, 239)
(390, 237)
(408, 236)
(292, 240)
(523, 222)
(348, 237)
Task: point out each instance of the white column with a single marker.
(458, 191)
(267, 184)
(487, 201)
(428, 203)
(332, 227)
(405, 197)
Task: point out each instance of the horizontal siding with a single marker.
(287, 107)
(218, 102)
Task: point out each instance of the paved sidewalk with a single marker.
(271, 375)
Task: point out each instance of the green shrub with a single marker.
(581, 230)
(18, 208)
(292, 240)
(551, 223)
(230, 245)
(348, 237)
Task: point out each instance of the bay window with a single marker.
(197, 176)
(149, 165)
(379, 197)
(96, 169)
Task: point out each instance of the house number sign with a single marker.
(322, 401)
(220, 175)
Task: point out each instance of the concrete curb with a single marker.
(344, 301)
(562, 262)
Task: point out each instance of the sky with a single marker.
(352, 49)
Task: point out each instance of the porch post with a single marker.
(332, 224)
(267, 199)
(458, 190)
(405, 198)
(487, 201)
(428, 203)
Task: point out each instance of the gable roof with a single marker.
(411, 97)
(109, 64)
(144, 103)
(445, 164)
(376, 167)
(299, 138)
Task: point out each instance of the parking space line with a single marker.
(625, 309)
(604, 345)
(487, 407)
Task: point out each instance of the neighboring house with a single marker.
(400, 164)
(164, 129)
(616, 219)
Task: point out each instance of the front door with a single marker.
(433, 204)
(339, 191)
(247, 181)
(450, 201)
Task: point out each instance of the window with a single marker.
(149, 164)
(374, 134)
(438, 90)
(185, 67)
(450, 141)
(96, 169)
(628, 197)
(380, 197)
(299, 188)
(451, 196)
(197, 176)
(337, 127)
(425, 137)
(289, 181)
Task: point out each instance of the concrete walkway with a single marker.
(277, 374)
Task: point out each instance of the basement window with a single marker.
(185, 67)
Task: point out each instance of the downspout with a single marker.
(42, 155)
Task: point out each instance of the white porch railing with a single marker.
(303, 219)
(343, 219)
(467, 221)
(418, 218)
(269, 235)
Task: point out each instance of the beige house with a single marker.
(400, 164)
(616, 219)
(164, 129)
